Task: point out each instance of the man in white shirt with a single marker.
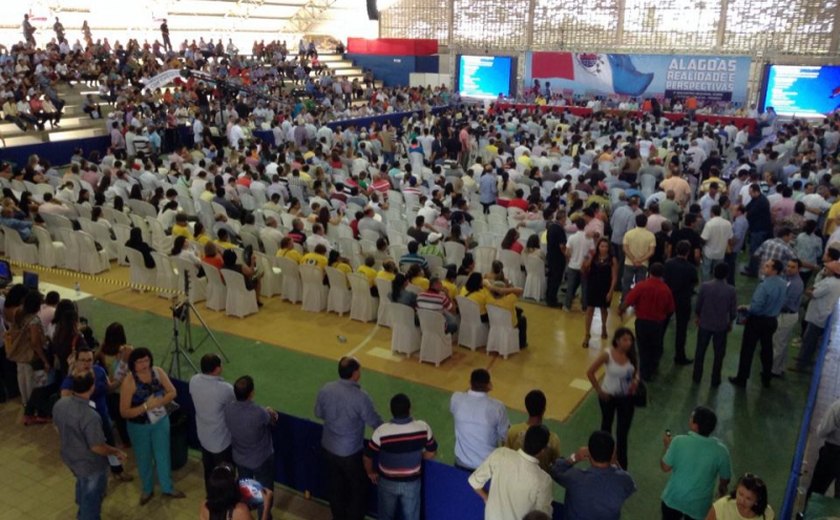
(578, 248)
(210, 394)
(708, 200)
(317, 237)
(235, 135)
(717, 235)
(481, 423)
(518, 484)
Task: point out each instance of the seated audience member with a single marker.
(435, 299)
(287, 250)
(475, 290)
(212, 255)
(388, 271)
(250, 272)
(181, 249)
(412, 257)
(135, 241)
(181, 227)
(318, 257)
(400, 292)
(223, 239)
(511, 241)
(336, 261)
(416, 277)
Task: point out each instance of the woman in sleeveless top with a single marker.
(615, 391)
(144, 394)
(601, 278)
(224, 500)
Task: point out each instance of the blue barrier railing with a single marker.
(802, 442)
(298, 465)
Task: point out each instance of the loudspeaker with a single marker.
(373, 12)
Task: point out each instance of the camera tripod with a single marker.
(179, 349)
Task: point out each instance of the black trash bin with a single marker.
(178, 445)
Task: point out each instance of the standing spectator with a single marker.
(638, 246)
(695, 460)
(28, 349)
(518, 484)
(401, 446)
(827, 469)
(83, 446)
(717, 237)
(535, 403)
(164, 32)
(681, 278)
(487, 189)
(28, 31)
(601, 272)
(623, 219)
(83, 365)
(210, 394)
(250, 434)
(579, 249)
(808, 248)
(144, 395)
(747, 500)
(760, 225)
(481, 422)
(777, 248)
(555, 258)
(762, 321)
(787, 317)
(740, 229)
(824, 296)
(345, 409)
(715, 309)
(615, 392)
(597, 493)
(654, 303)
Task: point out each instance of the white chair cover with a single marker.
(405, 335)
(435, 343)
(503, 338)
(363, 306)
(472, 332)
(239, 301)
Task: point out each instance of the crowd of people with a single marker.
(625, 207)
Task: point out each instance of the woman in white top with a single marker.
(747, 500)
(615, 391)
(181, 249)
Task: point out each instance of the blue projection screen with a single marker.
(484, 76)
(805, 91)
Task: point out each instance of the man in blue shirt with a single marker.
(762, 321)
(789, 315)
(487, 189)
(481, 422)
(345, 409)
(596, 493)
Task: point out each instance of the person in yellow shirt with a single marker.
(199, 235)
(474, 290)
(831, 219)
(388, 271)
(336, 261)
(506, 296)
(368, 271)
(318, 257)
(223, 240)
(535, 403)
(415, 277)
(181, 228)
(449, 282)
(287, 250)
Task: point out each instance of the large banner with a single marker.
(709, 78)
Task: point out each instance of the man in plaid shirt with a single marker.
(777, 248)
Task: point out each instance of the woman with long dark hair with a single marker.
(602, 277)
(224, 499)
(113, 357)
(615, 391)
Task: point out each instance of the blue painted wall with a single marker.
(394, 71)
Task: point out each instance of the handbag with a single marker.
(640, 396)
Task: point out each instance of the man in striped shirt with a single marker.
(436, 300)
(400, 445)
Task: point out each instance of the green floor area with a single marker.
(759, 426)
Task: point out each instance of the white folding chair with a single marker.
(535, 282)
(405, 334)
(484, 257)
(139, 274)
(503, 337)
(363, 306)
(512, 262)
(239, 301)
(472, 332)
(198, 286)
(50, 252)
(383, 315)
(91, 261)
(272, 281)
(455, 252)
(18, 250)
(315, 293)
(435, 343)
(339, 297)
(216, 289)
(165, 279)
(291, 286)
(123, 233)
